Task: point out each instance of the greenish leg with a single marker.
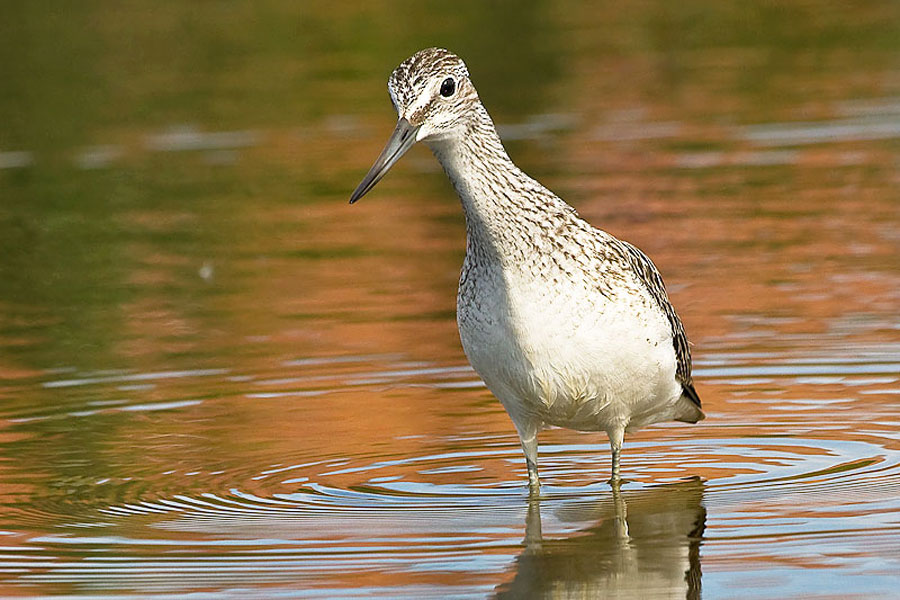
(615, 441)
(530, 446)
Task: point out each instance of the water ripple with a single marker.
(460, 502)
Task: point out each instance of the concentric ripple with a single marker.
(799, 451)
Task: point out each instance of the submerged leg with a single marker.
(616, 437)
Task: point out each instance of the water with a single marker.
(219, 379)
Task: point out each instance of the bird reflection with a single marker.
(645, 544)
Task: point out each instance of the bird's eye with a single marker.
(448, 87)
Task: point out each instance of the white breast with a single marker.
(565, 356)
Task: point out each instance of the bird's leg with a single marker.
(528, 430)
(616, 477)
(616, 437)
(530, 447)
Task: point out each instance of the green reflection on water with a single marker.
(85, 253)
(79, 75)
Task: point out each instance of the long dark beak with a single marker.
(401, 140)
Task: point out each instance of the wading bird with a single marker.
(567, 325)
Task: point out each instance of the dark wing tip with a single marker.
(691, 393)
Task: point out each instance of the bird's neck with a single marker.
(496, 195)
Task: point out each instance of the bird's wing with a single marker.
(647, 273)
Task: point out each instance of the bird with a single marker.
(567, 325)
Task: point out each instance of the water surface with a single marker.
(220, 379)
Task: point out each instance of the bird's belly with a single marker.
(587, 363)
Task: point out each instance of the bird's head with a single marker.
(435, 101)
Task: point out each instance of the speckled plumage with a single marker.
(566, 324)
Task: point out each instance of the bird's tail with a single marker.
(688, 406)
